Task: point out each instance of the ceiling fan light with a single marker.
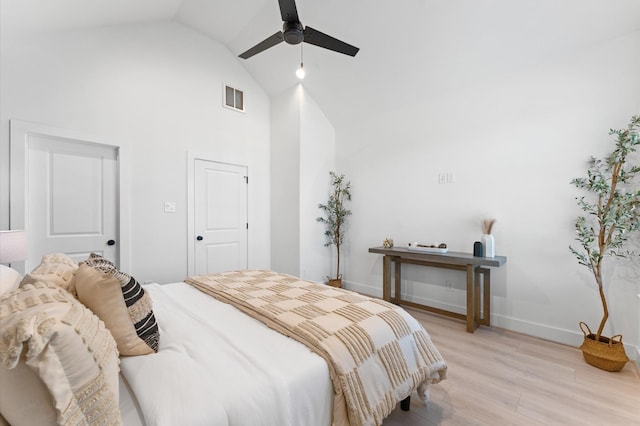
(300, 72)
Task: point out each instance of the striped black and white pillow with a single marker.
(139, 304)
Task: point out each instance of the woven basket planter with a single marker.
(335, 282)
(607, 353)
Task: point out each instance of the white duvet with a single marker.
(217, 366)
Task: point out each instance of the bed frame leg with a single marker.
(405, 404)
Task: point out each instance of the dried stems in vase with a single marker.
(487, 225)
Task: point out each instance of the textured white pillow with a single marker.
(56, 357)
(57, 268)
(24, 398)
(9, 279)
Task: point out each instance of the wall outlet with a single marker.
(449, 285)
(446, 177)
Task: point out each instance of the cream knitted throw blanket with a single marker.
(376, 352)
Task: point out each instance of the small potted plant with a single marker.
(335, 214)
(612, 215)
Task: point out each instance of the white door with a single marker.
(220, 217)
(71, 199)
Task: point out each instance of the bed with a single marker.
(216, 363)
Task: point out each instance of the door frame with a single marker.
(19, 132)
(191, 203)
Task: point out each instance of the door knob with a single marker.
(199, 238)
(111, 242)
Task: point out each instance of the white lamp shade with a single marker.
(13, 246)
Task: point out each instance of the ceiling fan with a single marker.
(294, 33)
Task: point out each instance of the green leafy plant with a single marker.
(612, 209)
(335, 213)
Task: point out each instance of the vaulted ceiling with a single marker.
(409, 49)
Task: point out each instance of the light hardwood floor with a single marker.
(497, 377)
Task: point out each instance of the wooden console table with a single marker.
(472, 265)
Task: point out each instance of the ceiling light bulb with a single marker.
(300, 72)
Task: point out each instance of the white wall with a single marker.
(303, 153)
(514, 146)
(285, 183)
(155, 89)
(317, 148)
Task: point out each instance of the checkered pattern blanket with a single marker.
(376, 352)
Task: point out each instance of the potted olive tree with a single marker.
(335, 213)
(612, 214)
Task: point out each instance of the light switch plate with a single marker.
(169, 207)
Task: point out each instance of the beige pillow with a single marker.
(57, 268)
(24, 398)
(102, 293)
(9, 279)
(59, 364)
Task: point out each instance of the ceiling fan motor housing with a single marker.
(293, 32)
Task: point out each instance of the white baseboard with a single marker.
(361, 288)
(567, 337)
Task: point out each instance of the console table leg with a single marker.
(386, 278)
(476, 296)
(471, 304)
(486, 296)
(398, 280)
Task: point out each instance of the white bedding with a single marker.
(217, 366)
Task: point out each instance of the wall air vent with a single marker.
(233, 98)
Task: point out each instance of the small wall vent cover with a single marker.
(233, 98)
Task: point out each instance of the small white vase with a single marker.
(488, 245)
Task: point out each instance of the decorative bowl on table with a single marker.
(428, 248)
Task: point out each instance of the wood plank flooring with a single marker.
(497, 377)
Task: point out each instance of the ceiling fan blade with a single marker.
(263, 45)
(321, 39)
(288, 10)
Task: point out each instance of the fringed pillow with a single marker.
(56, 268)
(59, 365)
(121, 302)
